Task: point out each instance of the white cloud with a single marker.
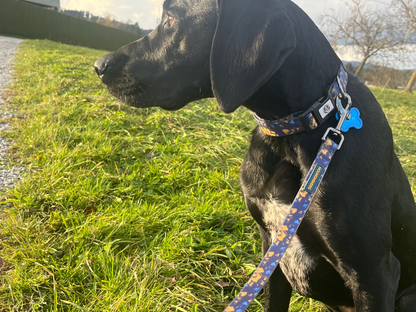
(98, 7)
(317, 8)
(146, 12)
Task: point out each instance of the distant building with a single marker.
(50, 4)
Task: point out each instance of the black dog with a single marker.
(356, 248)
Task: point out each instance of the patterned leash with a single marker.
(286, 233)
(301, 203)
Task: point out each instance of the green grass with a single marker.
(125, 209)
(400, 109)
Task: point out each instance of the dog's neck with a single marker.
(292, 90)
(298, 83)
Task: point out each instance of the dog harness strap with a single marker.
(285, 235)
(310, 119)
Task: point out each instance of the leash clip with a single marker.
(343, 114)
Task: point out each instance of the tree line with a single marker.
(108, 20)
(373, 30)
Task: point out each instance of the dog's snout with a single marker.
(101, 66)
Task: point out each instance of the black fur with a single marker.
(356, 249)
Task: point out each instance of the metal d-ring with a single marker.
(344, 95)
(336, 132)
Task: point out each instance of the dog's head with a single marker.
(202, 48)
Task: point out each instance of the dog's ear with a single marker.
(252, 40)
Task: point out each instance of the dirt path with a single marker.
(8, 47)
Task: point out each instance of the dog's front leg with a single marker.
(277, 291)
(406, 301)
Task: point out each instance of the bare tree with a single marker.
(406, 11)
(370, 30)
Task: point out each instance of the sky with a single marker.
(148, 12)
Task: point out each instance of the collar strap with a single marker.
(311, 118)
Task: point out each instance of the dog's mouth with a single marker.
(136, 95)
(168, 94)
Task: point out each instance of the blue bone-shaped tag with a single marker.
(354, 121)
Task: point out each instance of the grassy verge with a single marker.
(123, 209)
(400, 109)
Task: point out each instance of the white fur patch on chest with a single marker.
(273, 213)
(297, 263)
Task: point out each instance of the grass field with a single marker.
(125, 209)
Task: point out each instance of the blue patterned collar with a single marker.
(310, 119)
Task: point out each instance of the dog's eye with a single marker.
(169, 22)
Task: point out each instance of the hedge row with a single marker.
(18, 18)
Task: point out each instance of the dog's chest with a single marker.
(300, 260)
(299, 265)
(269, 184)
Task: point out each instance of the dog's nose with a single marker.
(101, 66)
